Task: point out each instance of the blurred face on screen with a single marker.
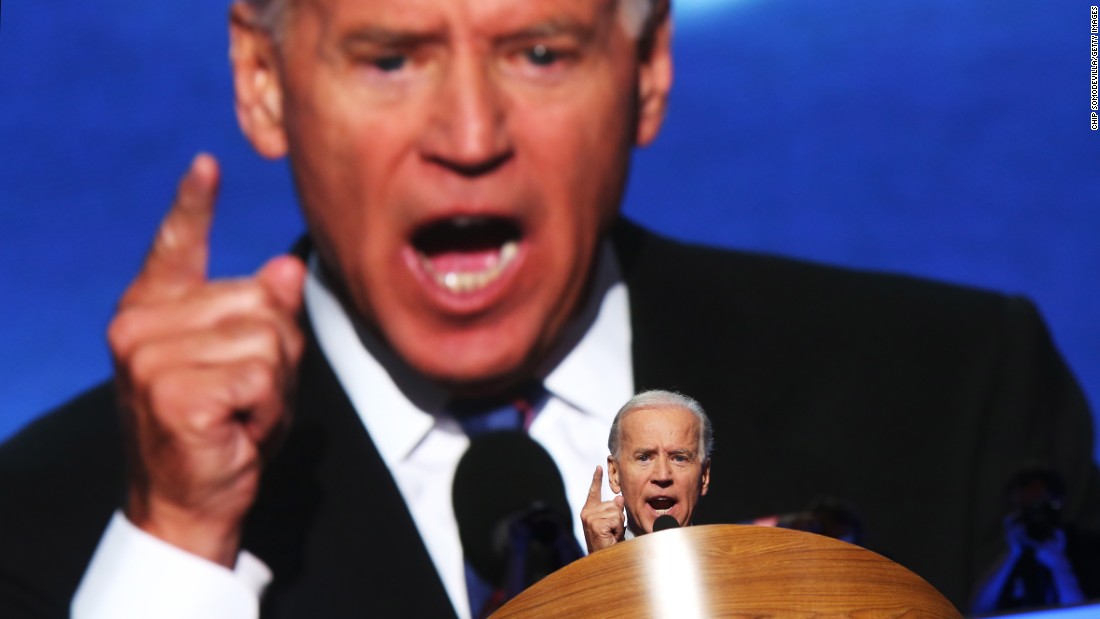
(457, 160)
(659, 469)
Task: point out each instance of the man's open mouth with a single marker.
(467, 253)
(661, 504)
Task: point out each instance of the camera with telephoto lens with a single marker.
(1040, 519)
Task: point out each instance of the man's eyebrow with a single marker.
(551, 28)
(388, 37)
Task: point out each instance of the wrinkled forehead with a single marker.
(665, 428)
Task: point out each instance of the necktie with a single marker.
(509, 501)
(510, 414)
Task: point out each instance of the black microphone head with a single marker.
(665, 522)
(503, 477)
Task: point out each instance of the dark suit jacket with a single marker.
(914, 401)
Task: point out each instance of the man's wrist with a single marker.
(213, 539)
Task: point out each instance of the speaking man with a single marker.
(660, 446)
(285, 443)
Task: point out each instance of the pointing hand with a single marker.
(204, 371)
(604, 522)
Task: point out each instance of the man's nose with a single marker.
(662, 474)
(468, 132)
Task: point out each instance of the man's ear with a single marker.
(654, 72)
(613, 475)
(259, 96)
(706, 477)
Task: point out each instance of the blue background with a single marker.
(943, 138)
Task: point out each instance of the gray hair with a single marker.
(657, 398)
(271, 15)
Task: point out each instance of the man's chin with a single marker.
(475, 377)
(473, 363)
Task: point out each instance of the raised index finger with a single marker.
(594, 491)
(178, 258)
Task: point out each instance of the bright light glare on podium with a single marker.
(674, 584)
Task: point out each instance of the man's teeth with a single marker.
(661, 505)
(469, 281)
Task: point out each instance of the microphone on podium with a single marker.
(665, 522)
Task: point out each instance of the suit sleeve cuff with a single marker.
(134, 574)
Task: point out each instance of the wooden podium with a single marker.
(731, 571)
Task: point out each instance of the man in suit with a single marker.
(659, 465)
(460, 165)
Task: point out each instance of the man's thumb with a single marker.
(284, 277)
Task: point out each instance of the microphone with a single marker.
(513, 516)
(665, 522)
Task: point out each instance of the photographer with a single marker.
(1036, 570)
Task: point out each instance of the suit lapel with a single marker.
(681, 311)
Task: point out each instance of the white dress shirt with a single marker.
(133, 574)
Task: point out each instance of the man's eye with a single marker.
(542, 56)
(393, 62)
